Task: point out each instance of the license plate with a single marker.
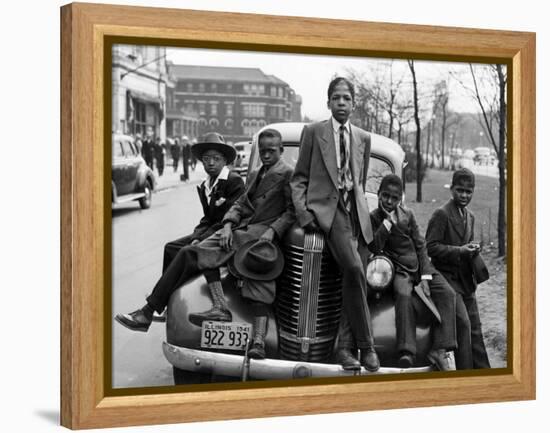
(225, 335)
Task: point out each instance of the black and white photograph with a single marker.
(290, 216)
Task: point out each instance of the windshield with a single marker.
(378, 167)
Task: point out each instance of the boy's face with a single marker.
(341, 103)
(270, 150)
(213, 162)
(389, 197)
(462, 193)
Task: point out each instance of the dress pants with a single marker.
(471, 352)
(343, 245)
(443, 296)
(184, 266)
(172, 248)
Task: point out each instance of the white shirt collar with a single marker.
(336, 125)
(224, 174)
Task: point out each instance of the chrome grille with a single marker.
(309, 301)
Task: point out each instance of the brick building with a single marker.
(236, 102)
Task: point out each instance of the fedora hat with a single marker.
(214, 141)
(259, 260)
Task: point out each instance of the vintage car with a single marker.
(303, 325)
(131, 178)
(243, 149)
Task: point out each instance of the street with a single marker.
(138, 240)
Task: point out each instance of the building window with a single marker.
(214, 108)
(280, 92)
(250, 127)
(273, 91)
(229, 124)
(201, 87)
(190, 87)
(229, 88)
(202, 108)
(229, 110)
(253, 110)
(214, 87)
(214, 123)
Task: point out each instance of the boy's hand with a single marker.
(226, 239)
(195, 242)
(468, 250)
(268, 235)
(425, 287)
(388, 215)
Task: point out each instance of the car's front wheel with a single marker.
(145, 201)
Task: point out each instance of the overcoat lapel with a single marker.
(468, 229)
(357, 151)
(272, 176)
(457, 221)
(328, 151)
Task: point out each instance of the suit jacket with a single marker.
(403, 244)
(263, 205)
(314, 183)
(223, 196)
(446, 232)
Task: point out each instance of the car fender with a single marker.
(145, 174)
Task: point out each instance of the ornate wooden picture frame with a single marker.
(87, 398)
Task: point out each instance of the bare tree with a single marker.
(489, 91)
(418, 133)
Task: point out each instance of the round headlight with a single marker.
(380, 272)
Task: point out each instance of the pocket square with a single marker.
(220, 201)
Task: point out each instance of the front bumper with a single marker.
(202, 361)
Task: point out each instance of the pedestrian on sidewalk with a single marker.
(175, 151)
(159, 155)
(186, 155)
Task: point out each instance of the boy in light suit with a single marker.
(328, 188)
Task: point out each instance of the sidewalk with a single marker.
(171, 179)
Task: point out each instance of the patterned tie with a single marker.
(343, 169)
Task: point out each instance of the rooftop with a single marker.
(222, 73)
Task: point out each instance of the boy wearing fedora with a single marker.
(258, 218)
(328, 190)
(217, 192)
(449, 239)
(396, 235)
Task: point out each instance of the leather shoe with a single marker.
(406, 360)
(136, 321)
(441, 359)
(347, 360)
(369, 359)
(215, 314)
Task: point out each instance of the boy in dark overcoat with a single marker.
(449, 240)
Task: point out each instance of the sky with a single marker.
(309, 75)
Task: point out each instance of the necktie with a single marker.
(343, 169)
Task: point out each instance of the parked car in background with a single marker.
(131, 178)
(243, 149)
(303, 325)
(483, 156)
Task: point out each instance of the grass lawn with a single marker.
(491, 295)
